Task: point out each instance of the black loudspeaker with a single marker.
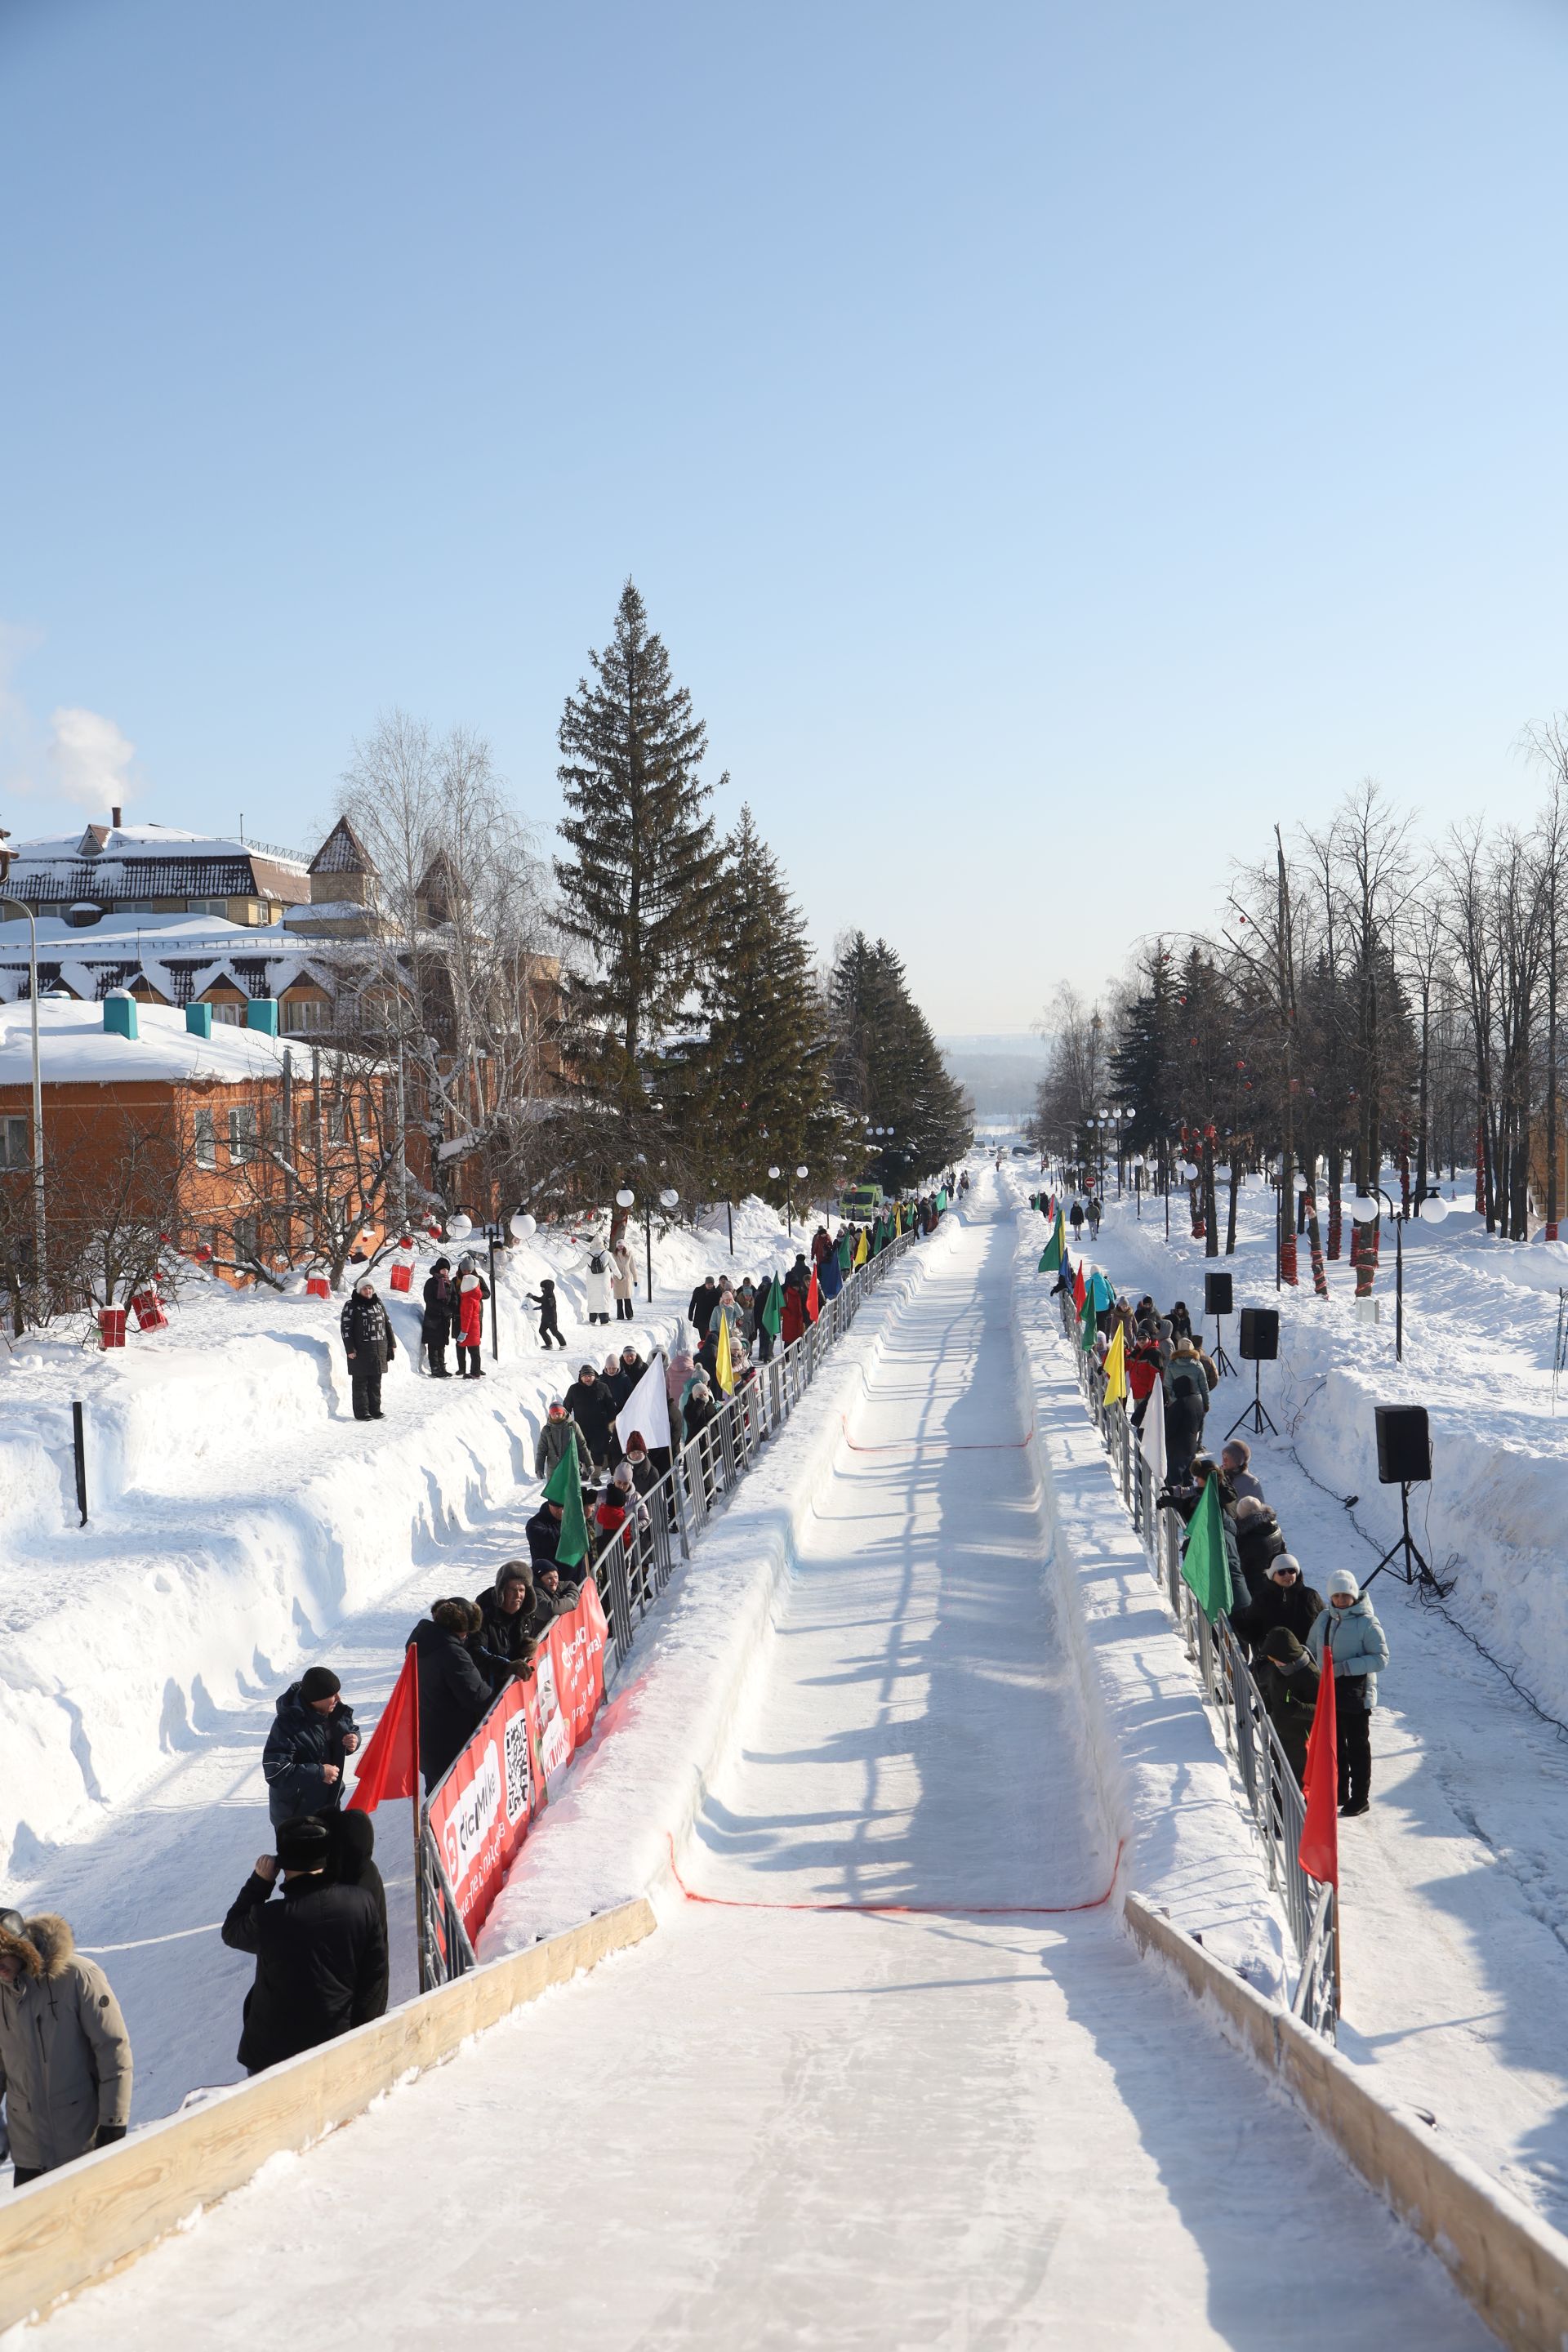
(1403, 1445)
(1259, 1334)
(1216, 1294)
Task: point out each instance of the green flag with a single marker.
(565, 1488)
(1051, 1257)
(1086, 1325)
(1204, 1563)
(772, 1309)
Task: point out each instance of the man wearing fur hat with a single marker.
(65, 2055)
(320, 1954)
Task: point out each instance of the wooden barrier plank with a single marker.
(1511, 2265)
(94, 2216)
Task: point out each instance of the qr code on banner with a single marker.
(518, 1773)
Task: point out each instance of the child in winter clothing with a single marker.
(544, 1299)
(596, 1287)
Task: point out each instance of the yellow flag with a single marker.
(1116, 1368)
(861, 1252)
(722, 1370)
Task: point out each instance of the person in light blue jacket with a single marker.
(1349, 1629)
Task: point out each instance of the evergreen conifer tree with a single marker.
(639, 889)
(757, 1084)
(888, 1068)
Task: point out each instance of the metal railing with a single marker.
(1273, 1793)
(632, 1570)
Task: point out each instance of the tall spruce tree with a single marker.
(757, 1083)
(887, 1068)
(639, 889)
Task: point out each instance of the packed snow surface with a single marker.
(977, 2119)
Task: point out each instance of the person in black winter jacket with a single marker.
(1288, 1684)
(440, 1320)
(368, 1338)
(1285, 1603)
(320, 1954)
(303, 1761)
(559, 1585)
(513, 1613)
(703, 1300)
(453, 1693)
(1259, 1541)
(593, 1410)
(352, 1839)
(544, 1299)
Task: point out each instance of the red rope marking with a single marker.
(906, 1910)
(903, 1445)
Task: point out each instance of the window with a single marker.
(16, 1143)
(206, 1134)
(241, 1135)
(337, 1117)
(244, 1240)
(277, 1142)
(304, 1012)
(233, 1013)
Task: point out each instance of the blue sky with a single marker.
(1055, 442)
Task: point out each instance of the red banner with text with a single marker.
(479, 1812)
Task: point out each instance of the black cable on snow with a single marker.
(1432, 1597)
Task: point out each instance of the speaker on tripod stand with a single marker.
(1404, 1460)
(1259, 1346)
(1218, 1302)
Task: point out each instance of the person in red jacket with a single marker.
(794, 1307)
(472, 1292)
(1142, 1376)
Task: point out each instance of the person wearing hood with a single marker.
(594, 1409)
(320, 1953)
(454, 1696)
(616, 1505)
(302, 1761)
(1235, 1459)
(65, 2055)
(1259, 1541)
(559, 1585)
(727, 1310)
(1348, 1628)
(440, 1317)
(369, 1345)
(473, 1290)
(596, 1287)
(558, 1436)
(513, 1614)
(1288, 1684)
(544, 1299)
(352, 1863)
(1283, 1598)
(746, 1301)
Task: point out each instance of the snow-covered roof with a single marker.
(151, 861)
(75, 1049)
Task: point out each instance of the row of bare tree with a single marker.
(1372, 1007)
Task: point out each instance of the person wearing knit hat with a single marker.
(1348, 1631)
(312, 1733)
(320, 1953)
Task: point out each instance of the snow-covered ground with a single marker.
(956, 2123)
(243, 1527)
(1455, 1901)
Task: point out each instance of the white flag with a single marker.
(647, 1410)
(1152, 1437)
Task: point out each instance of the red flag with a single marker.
(813, 1298)
(390, 1764)
(1318, 1852)
(1079, 1287)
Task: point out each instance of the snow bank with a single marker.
(238, 1513)
(1164, 1779)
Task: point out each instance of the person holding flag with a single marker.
(558, 1536)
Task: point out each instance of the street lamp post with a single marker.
(39, 1230)
(1365, 1209)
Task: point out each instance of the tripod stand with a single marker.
(1256, 1413)
(1416, 1569)
(1222, 1362)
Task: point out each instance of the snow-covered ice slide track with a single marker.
(929, 2125)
